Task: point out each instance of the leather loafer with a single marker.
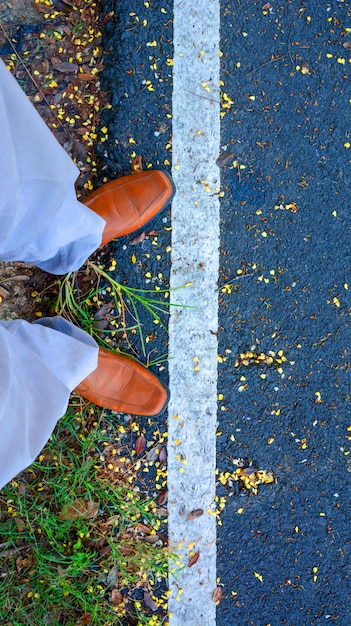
(130, 202)
(125, 386)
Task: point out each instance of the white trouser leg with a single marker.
(40, 364)
(41, 221)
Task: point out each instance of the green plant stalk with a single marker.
(66, 300)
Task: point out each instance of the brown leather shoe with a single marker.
(128, 203)
(125, 386)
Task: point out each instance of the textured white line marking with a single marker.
(193, 344)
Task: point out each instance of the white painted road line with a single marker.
(192, 338)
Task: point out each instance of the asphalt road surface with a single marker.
(284, 554)
(284, 288)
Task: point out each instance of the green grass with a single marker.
(75, 531)
(127, 302)
(81, 541)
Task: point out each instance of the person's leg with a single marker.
(41, 221)
(40, 364)
(39, 367)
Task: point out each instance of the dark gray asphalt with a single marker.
(289, 126)
(285, 223)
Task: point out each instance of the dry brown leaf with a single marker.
(116, 597)
(111, 521)
(347, 45)
(44, 66)
(151, 539)
(152, 454)
(111, 579)
(19, 277)
(80, 508)
(162, 510)
(64, 7)
(86, 619)
(149, 602)
(225, 159)
(143, 528)
(19, 564)
(100, 325)
(85, 76)
(126, 549)
(4, 293)
(65, 67)
(194, 559)
(194, 514)
(217, 595)
(138, 239)
(104, 310)
(140, 444)
(162, 457)
(137, 165)
(163, 497)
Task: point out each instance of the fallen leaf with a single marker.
(116, 597)
(162, 457)
(4, 293)
(143, 528)
(104, 310)
(112, 576)
(137, 165)
(19, 277)
(99, 325)
(152, 454)
(151, 539)
(19, 565)
(194, 514)
(149, 602)
(247, 471)
(65, 67)
(162, 511)
(80, 508)
(138, 239)
(85, 76)
(140, 444)
(126, 549)
(194, 559)
(347, 45)
(163, 497)
(86, 619)
(225, 159)
(217, 595)
(64, 7)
